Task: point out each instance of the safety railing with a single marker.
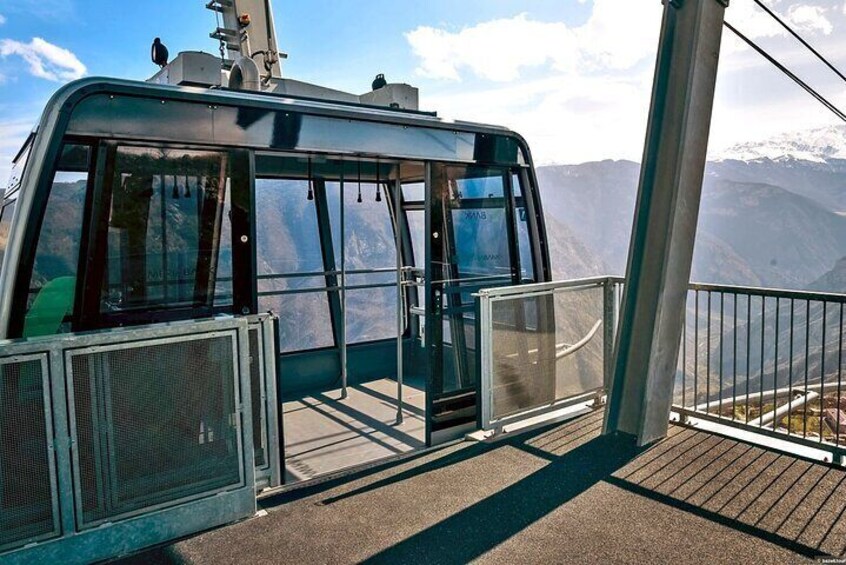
(117, 440)
(767, 361)
(544, 347)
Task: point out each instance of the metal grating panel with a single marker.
(27, 499)
(546, 348)
(154, 424)
(523, 366)
(257, 391)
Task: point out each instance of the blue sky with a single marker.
(573, 76)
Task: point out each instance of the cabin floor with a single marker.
(557, 494)
(324, 433)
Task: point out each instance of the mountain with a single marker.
(716, 260)
(810, 163)
(816, 145)
(787, 240)
(569, 256)
(834, 280)
(749, 233)
(596, 202)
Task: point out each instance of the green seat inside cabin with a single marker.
(51, 305)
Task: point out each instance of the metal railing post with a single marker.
(486, 357)
(609, 317)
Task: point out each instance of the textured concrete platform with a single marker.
(325, 434)
(561, 494)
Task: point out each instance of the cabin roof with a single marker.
(75, 91)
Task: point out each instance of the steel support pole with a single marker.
(343, 285)
(398, 226)
(661, 249)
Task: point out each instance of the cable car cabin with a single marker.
(365, 230)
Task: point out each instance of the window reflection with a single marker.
(6, 213)
(164, 230)
(53, 280)
(524, 240)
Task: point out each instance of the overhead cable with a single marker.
(799, 38)
(805, 86)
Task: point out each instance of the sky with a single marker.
(572, 76)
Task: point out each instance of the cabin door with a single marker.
(470, 246)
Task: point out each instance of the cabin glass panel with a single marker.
(369, 252)
(19, 164)
(417, 230)
(52, 286)
(164, 244)
(471, 209)
(6, 213)
(414, 192)
(414, 201)
(290, 263)
(524, 241)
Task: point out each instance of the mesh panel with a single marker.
(546, 348)
(26, 507)
(523, 350)
(256, 389)
(155, 424)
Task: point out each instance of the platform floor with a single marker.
(325, 434)
(560, 494)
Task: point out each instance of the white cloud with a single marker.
(593, 99)
(495, 50)
(618, 35)
(752, 21)
(810, 19)
(582, 92)
(2, 19)
(45, 60)
(755, 23)
(566, 118)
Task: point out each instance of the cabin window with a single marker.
(370, 254)
(166, 245)
(524, 240)
(414, 192)
(52, 284)
(479, 223)
(417, 229)
(414, 201)
(291, 277)
(6, 214)
(19, 164)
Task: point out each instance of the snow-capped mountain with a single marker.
(809, 163)
(821, 145)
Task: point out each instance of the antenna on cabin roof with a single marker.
(246, 29)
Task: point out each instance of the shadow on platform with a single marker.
(561, 493)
